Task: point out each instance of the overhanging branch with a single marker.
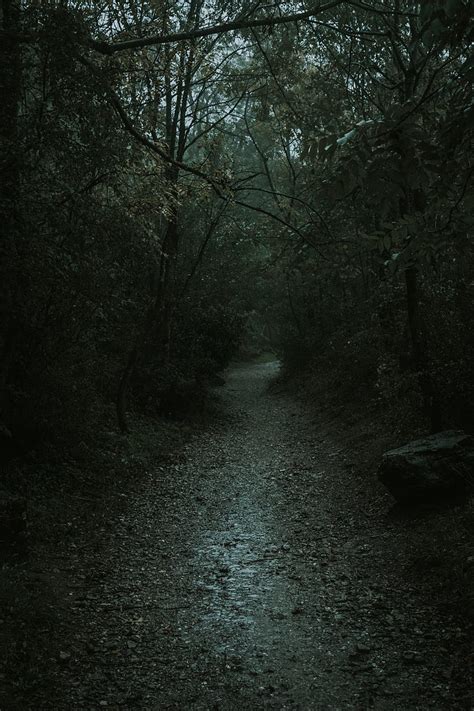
(219, 188)
(223, 28)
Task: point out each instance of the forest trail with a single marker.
(255, 575)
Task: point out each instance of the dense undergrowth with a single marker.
(366, 355)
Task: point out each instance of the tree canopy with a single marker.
(182, 177)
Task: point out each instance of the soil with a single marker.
(259, 567)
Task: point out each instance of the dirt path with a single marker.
(254, 574)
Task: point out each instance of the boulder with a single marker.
(436, 467)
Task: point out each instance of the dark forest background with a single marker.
(302, 187)
(188, 184)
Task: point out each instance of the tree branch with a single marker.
(151, 145)
(223, 28)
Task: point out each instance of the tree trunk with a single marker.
(165, 297)
(157, 323)
(292, 308)
(159, 318)
(414, 200)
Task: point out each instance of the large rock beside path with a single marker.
(433, 468)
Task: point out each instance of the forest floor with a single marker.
(260, 567)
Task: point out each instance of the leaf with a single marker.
(330, 150)
(347, 137)
(327, 146)
(399, 233)
(467, 69)
(392, 267)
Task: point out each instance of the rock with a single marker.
(437, 467)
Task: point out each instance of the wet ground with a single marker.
(253, 572)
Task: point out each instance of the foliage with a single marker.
(300, 185)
